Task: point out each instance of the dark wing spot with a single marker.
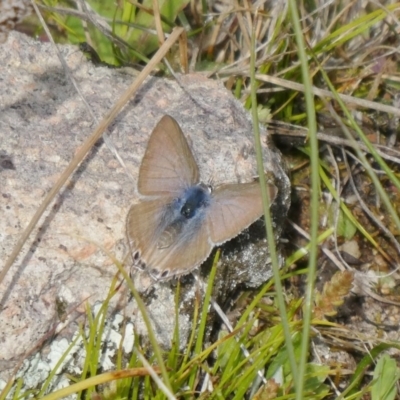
(155, 274)
(142, 265)
(164, 274)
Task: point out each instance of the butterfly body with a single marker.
(182, 216)
(194, 200)
(178, 222)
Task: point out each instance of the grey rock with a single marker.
(67, 259)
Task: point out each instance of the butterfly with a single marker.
(179, 220)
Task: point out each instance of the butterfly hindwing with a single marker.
(164, 243)
(143, 227)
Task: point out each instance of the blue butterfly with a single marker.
(179, 220)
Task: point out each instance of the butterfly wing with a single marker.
(182, 257)
(160, 250)
(233, 208)
(168, 165)
(142, 226)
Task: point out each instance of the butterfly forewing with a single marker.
(168, 165)
(233, 208)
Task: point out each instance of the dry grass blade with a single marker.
(366, 209)
(333, 137)
(101, 379)
(104, 124)
(327, 94)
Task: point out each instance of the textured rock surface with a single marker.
(11, 13)
(43, 122)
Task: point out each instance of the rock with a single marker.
(67, 259)
(12, 12)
